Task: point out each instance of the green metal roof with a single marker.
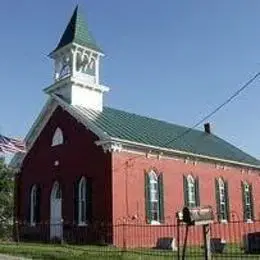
(77, 31)
(148, 131)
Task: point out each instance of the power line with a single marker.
(247, 84)
(244, 86)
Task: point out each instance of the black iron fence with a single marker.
(236, 239)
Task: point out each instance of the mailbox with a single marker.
(198, 215)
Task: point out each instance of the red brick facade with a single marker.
(78, 156)
(129, 199)
(118, 182)
(131, 178)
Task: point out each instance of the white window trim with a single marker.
(82, 182)
(153, 179)
(223, 221)
(191, 184)
(83, 224)
(246, 188)
(55, 189)
(154, 222)
(221, 186)
(33, 200)
(57, 138)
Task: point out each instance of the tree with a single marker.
(6, 199)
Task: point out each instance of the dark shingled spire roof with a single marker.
(77, 31)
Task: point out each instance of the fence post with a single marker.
(185, 242)
(124, 237)
(62, 230)
(206, 235)
(17, 231)
(178, 239)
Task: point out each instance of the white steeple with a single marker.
(76, 66)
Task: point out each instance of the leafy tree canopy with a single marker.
(6, 198)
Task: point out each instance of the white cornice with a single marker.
(129, 145)
(82, 83)
(88, 49)
(110, 146)
(68, 47)
(76, 81)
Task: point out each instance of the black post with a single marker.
(185, 242)
(17, 231)
(178, 239)
(124, 237)
(206, 235)
(61, 227)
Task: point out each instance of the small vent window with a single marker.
(57, 137)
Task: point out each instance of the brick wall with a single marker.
(128, 188)
(78, 156)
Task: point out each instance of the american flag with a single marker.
(11, 145)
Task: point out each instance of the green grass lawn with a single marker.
(66, 252)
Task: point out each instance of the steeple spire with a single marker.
(76, 66)
(77, 32)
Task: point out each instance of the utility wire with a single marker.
(244, 86)
(247, 84)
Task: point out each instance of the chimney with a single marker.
(207, 128)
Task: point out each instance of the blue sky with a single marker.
(172, 60)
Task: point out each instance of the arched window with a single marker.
(57, 137)
(222, 199)
(154, 197)
(82, 201)
(247, 201)
(56, 191)
(191, 191)
(56, 226)
(34, 205)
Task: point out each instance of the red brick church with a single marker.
(87, 163)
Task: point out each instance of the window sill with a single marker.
(223, 221)
(249, 221)
(82, 225)
(32, 224)
(153, 222)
